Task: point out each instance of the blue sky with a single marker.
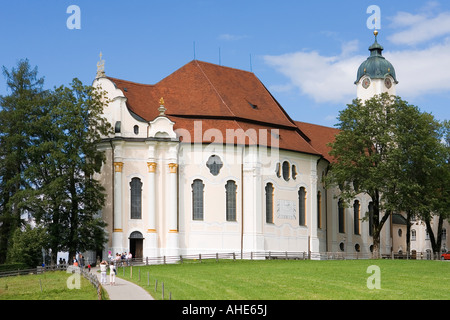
(305, 52)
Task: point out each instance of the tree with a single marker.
(17, 111)
(65, 197)
(382, 144)
(27, 246)
(437, 194)
(421, 157)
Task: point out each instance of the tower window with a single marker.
(136, 129)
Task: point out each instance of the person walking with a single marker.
(103, 267)
(112, 274)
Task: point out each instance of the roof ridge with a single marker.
(221, 66)
(128, 81)
(318, 125)
(215, 89)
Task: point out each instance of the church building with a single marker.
(206, 160)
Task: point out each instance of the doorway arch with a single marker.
(136, 244)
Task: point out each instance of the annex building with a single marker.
(206, 160)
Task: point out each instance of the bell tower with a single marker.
(376, 75)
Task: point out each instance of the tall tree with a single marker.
(383, 144)
(66, 198)
(17, 111)
(421, 157)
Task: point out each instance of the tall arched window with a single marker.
(269, 203)
(341, 211)
(356, 217)
(302, 206)
(319, 209)
(371, 218)
(230, 189)
(197, 199)
(136, 198)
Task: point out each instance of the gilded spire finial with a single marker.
(162, 108)
(101, 66)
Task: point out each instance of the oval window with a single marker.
(214, 164)
(286, 168)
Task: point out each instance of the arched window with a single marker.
(230, 189)
(136, 198)
(136, 129)
(371, 218)
(341, 211)
(269, 203)
(197, 199)
(413, 235)
(319, 209)
(302, 206)
(356, 211)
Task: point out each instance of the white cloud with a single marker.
(422, 69)
(420, 28)
(324, 79)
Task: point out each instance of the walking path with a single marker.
(123, 290)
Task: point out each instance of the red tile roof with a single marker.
(321, 136)
(221, 98)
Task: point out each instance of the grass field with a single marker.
(54, 287)
(295, 280)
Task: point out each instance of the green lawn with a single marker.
(54, 287)
(297, 280)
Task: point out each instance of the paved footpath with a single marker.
(123, 290)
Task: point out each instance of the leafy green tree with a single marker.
(27, 246)
(48, 162)
(421, 157)
(66, 198)
(387, 149)
(17, 112)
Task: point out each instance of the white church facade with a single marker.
(207, 161)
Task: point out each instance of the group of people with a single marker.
(76, 262)
(112, 272)
(124, 257)
(113, 261)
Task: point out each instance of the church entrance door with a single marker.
(136, 244)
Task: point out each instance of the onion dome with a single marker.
(376, 66)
